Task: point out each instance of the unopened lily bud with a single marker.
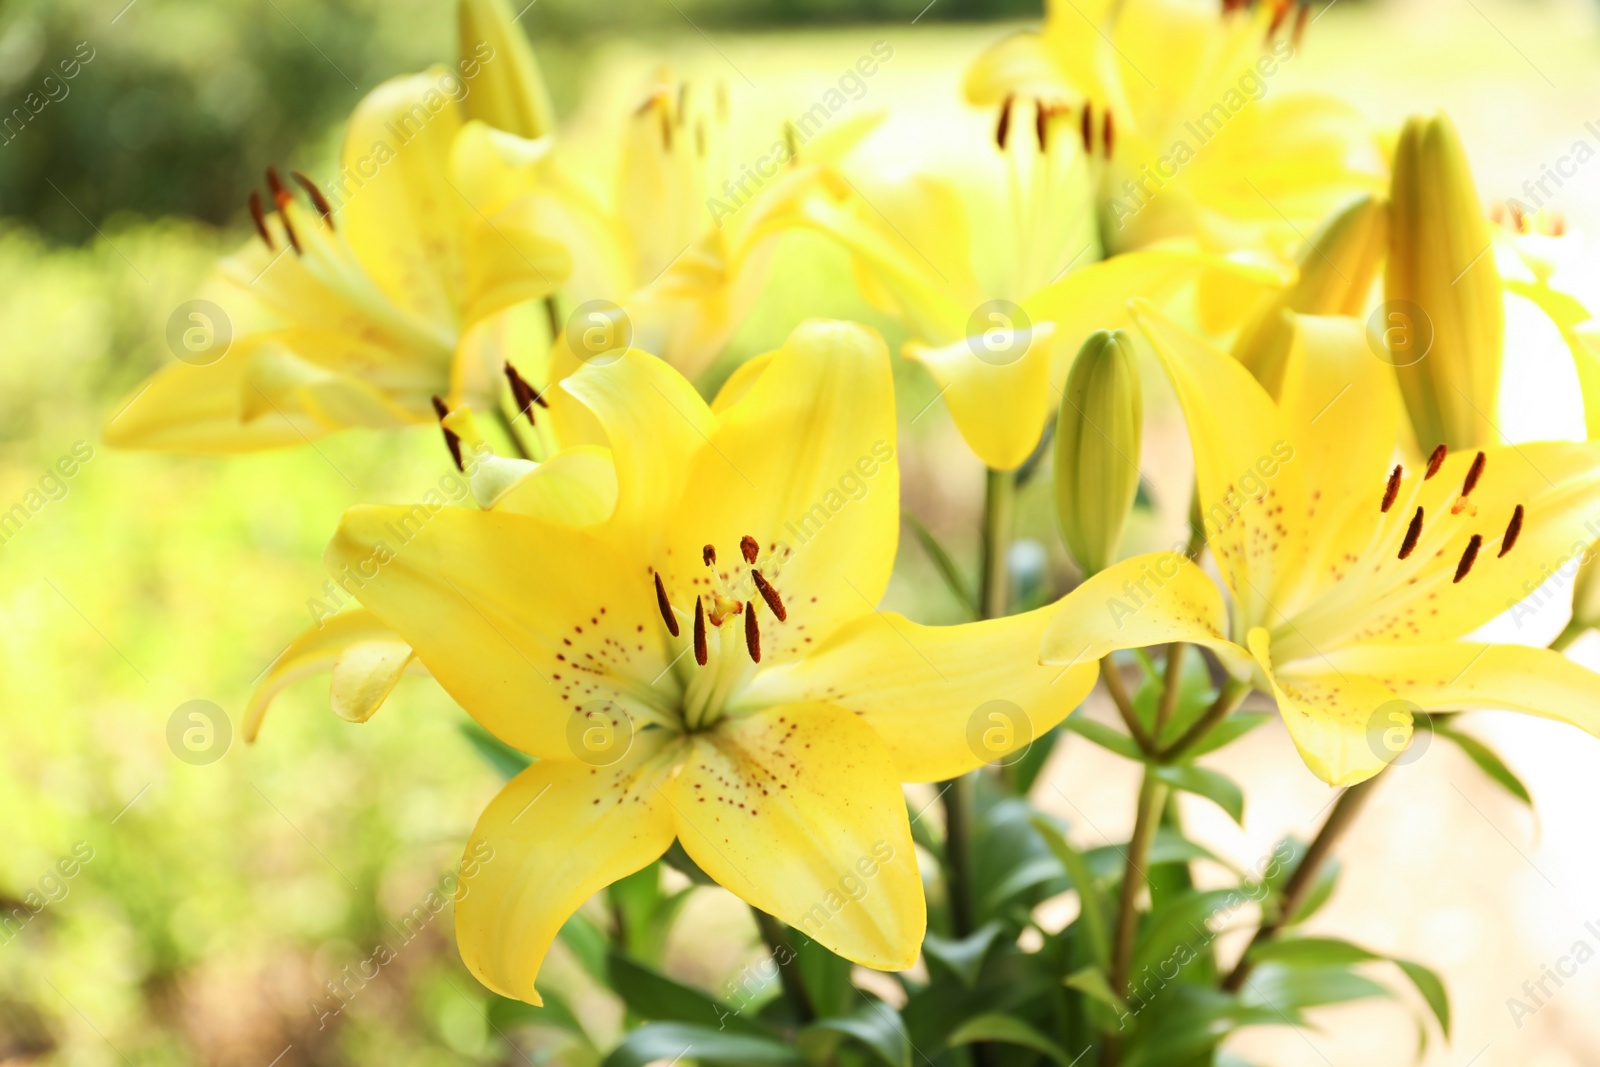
(489, 475)
(507, 90)
(1097, 448)
(1586, 593)
(1444, 322)
(1336, 272)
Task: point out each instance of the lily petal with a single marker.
(558, 833)
(577, 486)
(324, 646)
(1331, 715)
(805, 464)
(525, 622)
(1251, 490)
(1463, 675)
(1153, 599)
(931, 691)
(998, 390)
(796, 810)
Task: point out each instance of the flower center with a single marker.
(1406, 563)
(724, 626)
(1048, 208)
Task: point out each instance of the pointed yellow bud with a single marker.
(507, 92)
(1442, 321)
(1336, 272)
(1097, 448)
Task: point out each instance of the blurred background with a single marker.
(197, 908)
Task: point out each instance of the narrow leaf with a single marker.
(1091, 908)
(1006, 1030)
(1487, 760)
(509, 762)
(876, 1025)
(1213, 785)
(1104, 736)
(944, 564)
(699, 1044)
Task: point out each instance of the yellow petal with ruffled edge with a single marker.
(797, 811)
(1141, 601)
(1341, 722)
(804, 462)
(1251, 490)
(368, 676)
(997, 386)
(558, 833)
(1466, 675)
(945, 699)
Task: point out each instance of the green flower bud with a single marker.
(1336, 272)
(1443, 322)
(508, 91)
(1586, 594)
(1097, 448)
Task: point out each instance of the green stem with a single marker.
(510, 429)
(1304, 878)
(957, 858)
(1233, 691)
(999, 507)
(1169, 692)
(1564, 639)
(777, 940)
(1119, 696)
(1152, 796)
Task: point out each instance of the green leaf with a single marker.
(1005, 1030)
(509, 762)
(680, 1041)
(1432, 990)
(1487, 760)
(963, 958)
(1104, 736)
(1202, 781)
(587, 942)
(1183, 921)
(1228, 731)
(1092, 909)
(679, 860)
(1334, 952)
(1287, 988)
(656, 997)
(1025, 771)
(944, 564)
(1092, 981)
(876, 1025)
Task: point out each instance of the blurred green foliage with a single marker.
(181, 104)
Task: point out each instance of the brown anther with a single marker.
(1301, 20)
(667, 615)
(1086, 127)
(752, 633)
(1041, 125)
(708, 555)
(770, 595)
(1414, 531)
(1513, 531)
(1107, 132)
(1468, 557)
(701, 653)
(275, 186)
(452, 440)
(1391, 490)
(1277, 19)
(750, 547)
(523, 394)
(1003, 127)
(258, 215)
(666, 131)
(1435, 461)
(1474, 472)
(317, 198)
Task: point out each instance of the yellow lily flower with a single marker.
(382, 292)
(1353, 582)
(707, 664)
(999, 343)
(1177, 102)
(676, 256)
